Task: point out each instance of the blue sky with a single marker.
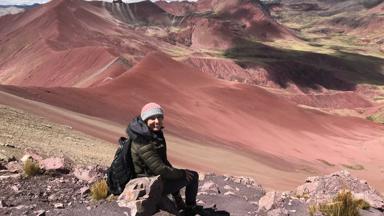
(20, 2)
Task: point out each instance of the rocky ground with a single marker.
(63, 190)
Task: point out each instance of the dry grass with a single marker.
(353, 167)
(377, 117)
(326, 162)
(99, 190)
(31, 168)
(304, 196)
(342, 205)
(31, 131)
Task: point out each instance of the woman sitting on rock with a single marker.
(149, 156)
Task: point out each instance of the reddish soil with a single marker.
(377, 9)
(213, 34)
(178, 8)
(256, 21)
(227, 22)
(76, 40)
(343, 100)
(223, 110)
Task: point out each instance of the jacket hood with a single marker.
(139, 132)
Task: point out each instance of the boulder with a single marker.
(52, 163)
(371, 212)
(89, 174)
(143, 196)
(324, 188)
(267, 202)
(210, 186)
(374, 199)
(14, 167)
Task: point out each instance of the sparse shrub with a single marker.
(354, 167)
(31, 168)
(99, 190)
(342, 205)
(111, 198)
(326, 162)
(370, 118)
(362, 204)
(305, 195)
(312, 210)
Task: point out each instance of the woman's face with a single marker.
(155, 123)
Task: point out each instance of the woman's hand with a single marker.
(188, 175)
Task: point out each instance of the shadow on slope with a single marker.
(339, 71)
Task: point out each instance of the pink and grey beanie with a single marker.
(151, 109)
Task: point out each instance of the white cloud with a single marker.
(21, 2)
(28, 2)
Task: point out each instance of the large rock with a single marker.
(374, 199)
(89, 174)
(370, 212)
(53, 163)
(320, 189)
(210, 186)
(14, 167)
(324, 188)
(143, 196)
(267, 202)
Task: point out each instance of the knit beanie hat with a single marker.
(151, 109)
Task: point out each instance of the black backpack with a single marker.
(121, 169)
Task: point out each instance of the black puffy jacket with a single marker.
(149, 152)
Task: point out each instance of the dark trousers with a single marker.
(173, 187)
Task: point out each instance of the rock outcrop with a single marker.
(319, 190)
